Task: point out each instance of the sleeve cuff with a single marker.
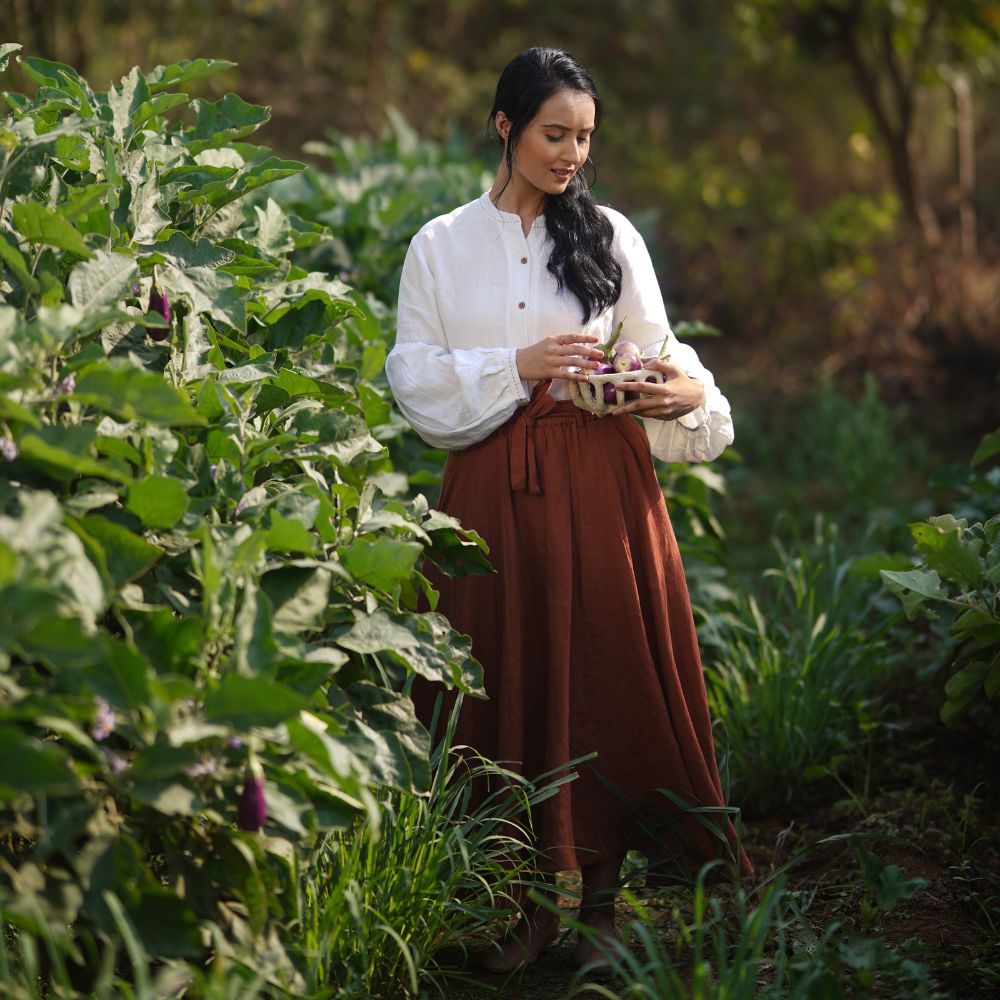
(698, 417)
(516, 382)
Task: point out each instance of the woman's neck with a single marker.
(528, 203)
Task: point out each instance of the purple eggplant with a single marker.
(625, 362)
(159, 304)
(252, 810)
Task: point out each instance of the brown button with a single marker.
(520, 305)
(524, 260)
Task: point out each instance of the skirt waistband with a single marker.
(524, 473)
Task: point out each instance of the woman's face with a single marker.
(554, 144)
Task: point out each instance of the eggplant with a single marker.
(251, 813)
(160, 304)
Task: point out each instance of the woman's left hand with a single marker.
(678, 394)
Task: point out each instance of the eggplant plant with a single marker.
(205, 557)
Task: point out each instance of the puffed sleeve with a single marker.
(705, 432)
(453, 398)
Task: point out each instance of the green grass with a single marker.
(383, 909)
(792, 669)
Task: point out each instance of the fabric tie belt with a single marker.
(523, 466)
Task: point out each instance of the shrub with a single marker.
(959, 570)
(201, 562)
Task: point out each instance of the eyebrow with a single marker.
(566, 128)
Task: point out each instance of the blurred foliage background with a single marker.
(820, 179)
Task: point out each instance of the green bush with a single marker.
(375, 192)
(203, 568)
(958, 572)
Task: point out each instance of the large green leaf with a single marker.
(103, 281)
(254, 175)
(146, 219)
(117, 387)
(384, 563)
(988, 447)
(913, 587)
(388, 736)
(158, 501)
(209, 291)
(29, 765)
(229, 118)
(377, 632)
(978, 624)
(182, 252)
(125, 101)
(128, 555)
(157, 105)
(948, 550)
(62, 463)
(39, 223)
(184, 71)
(12, 257)
(7, 49)
(243, 702)
(299, 595)
(62, 79)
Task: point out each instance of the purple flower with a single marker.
(65, 387)
(213, 471)
(242, 505)
(136, 288)
(8, 449)
(104, 724)
(117, 764)
(234, 743)
(252, 810)
(200, 770)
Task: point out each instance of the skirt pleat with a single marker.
(586, 639)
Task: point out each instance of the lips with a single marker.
(563, 175)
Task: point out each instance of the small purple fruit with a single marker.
(627, 347)
(251, 813)
(160, 304)
(610, 394)
(627, 362)
(604, 369)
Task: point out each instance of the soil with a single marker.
(932, 808)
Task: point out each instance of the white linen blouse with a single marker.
(474, 289)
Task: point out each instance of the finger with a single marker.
(572, 356)
(664, 367)
(644, 388)
(569, 375)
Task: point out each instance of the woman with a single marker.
(585, 631)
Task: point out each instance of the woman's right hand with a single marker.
(556, 356)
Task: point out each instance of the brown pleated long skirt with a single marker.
(586, 639)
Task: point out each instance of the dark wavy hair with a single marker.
(581, 258)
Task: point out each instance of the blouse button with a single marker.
(520, 305)
(524, 260)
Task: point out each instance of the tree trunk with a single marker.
(966, 148)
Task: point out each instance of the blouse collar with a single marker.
(507, 218)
